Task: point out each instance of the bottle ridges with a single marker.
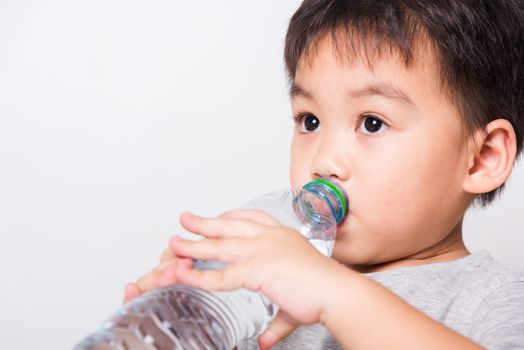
(178, 318)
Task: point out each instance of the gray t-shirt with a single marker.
(475, 295)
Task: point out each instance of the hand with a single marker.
(164, 274)
(161, 276)
(264, 256)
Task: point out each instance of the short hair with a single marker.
(479, 46)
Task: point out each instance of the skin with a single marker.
(409, 181)
(404, 181)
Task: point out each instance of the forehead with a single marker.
(334, 62)
(332, 82)
(355, 44)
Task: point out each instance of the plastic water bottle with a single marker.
(178, 317)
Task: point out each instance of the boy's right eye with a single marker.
(307, 122)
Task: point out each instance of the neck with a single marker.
(448, 249)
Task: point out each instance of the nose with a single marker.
(332, 158)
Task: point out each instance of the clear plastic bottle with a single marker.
(178, 317)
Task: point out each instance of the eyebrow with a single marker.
(377, 89)
(297, 90)
(384, 90)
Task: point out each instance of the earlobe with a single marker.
(491, 157)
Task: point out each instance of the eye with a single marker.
(307, 122)
(371, 124)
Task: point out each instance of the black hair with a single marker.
(479, 46)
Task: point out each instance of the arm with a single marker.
(362, 314)
(278, 262)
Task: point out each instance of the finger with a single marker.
(151, 279)
(219, 227)
(167, 255)
(168, 276)
(281, 327)
(161, 276)
(229, 278)
(256, 215)
(228, 250)
(131, 291)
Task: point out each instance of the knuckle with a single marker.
(227, 214)
(223, 278)
(220, 250)
(141, 284)
(148, 281)
(265, 218)
(166, 254)
(259, 212)
(260, 216)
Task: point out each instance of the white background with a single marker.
(115, 116)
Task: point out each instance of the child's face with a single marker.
(394, 140)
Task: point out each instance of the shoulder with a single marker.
(498, 322)
(501, 283)
(479, 278)
(486, 275)
(502, 273)
(498, 319)
(476, 272)
(454, 292)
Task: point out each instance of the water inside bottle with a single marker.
(324, 246)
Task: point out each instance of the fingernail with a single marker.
(176, 241)
(187, 262)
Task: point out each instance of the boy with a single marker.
(416, 108)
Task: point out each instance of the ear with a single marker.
(490, 157)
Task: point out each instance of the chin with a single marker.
(347, 256)
(353, 254)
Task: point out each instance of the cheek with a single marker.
(401, 185)
(419, 164)
(404, 195)
(437, 166)
(299, 170)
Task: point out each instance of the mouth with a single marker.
(343, 224)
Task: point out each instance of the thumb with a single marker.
(280, 328)
(256, 215)
(131, 291)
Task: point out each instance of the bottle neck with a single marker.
(332, 193)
